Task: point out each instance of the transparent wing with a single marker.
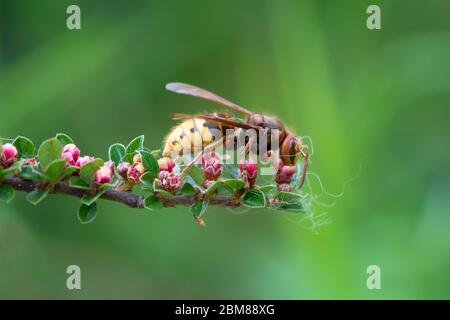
(188, 89)
(215, 119)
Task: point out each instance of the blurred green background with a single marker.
(375, 103)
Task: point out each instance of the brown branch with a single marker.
(127, 198)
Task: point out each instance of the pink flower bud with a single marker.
(122, 169)
(249, 166)
(110, 165)
(166, 164)
(169, 181)
(9, 155)
(70, 153)
(140, 168)
(69, 158)
(104, 175)
(83, 160)
(285, 174)
(134, 174)
(249, 172)
(9, 151)
(137, 158)
(211, 166)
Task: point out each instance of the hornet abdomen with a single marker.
(190, 137)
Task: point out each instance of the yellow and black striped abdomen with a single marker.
(189, 137)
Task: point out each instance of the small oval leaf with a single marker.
(149, 162)
(292, 206)
(32, 173)
(199, 207)
(77, 182)
(270, 189)
(64, 139)
(90, 199)
(213, 187)
(49, 151)
(55, 170)
(135, 145)
(87, 214)
(253, 199)
(288, 197)
(117, 153)
(24, 146)
(153, 203)
(148, 178)
(235, 184)
(87, 171)
(7, 193)
(36, 196)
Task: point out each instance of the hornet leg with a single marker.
(304, 152)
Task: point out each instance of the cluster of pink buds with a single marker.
(83, 160)
(166, 164)
(284, 176)
(249, 172)
(168, 179)
(122, 169)
(9, 155)
(131, 172)
(105, 174)
(70, 153)
(211, 166)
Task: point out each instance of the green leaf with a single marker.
(148, 178)
(290, 201)
(149, 162)
(135, 145)
(7, 193)
(37, 196)
(64, 138)
(117, 153)
(188, 189)
(289, 197)
(196, 174)
(164, 193)
(153, 203)
(86, 214)
(236, 184)
(32, 173)
(213, 187)
(190, 181)
(270, 188)
(55, 170)
(24, 146)
(199, 207)
(87, 172)
(157, 153)
(4, 173)
(253, 199)
(79, 183)
(292, 206)
(49, 151)
(68, 171)
(114, 182)
(90, 199)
